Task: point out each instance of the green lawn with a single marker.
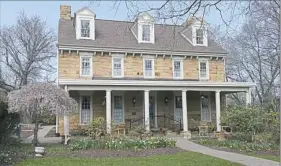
(265, 156)
(184, 158)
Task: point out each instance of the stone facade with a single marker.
(69, 67)
(136, 111)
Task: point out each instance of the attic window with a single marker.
(145, 33)
(199, 36)
(85, 28)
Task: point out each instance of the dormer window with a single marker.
(85, 24)
(85, 28)
(199, 36)
(145, 33)
(145, 28)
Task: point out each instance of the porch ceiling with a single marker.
(175, 85)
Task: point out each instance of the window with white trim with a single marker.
(205, 107)
(203, 70)
(117, 67)
(148, 65)
(177, 69)
(118, 111)
(146, 33)
(85, 28)
(85, 114)
(199, 36)
(85, 65)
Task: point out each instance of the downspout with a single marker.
(57, 118)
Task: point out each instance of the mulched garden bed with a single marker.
(99, 153)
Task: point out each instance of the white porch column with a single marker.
(57, 123)
(184, 115)
(218, 110)
(108, 111)
(248, 97)
(66, 122)
(146, 110)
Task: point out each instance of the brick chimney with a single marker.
(65, 12)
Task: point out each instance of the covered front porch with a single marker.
(152, 104)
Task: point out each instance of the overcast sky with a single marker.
(49, 11)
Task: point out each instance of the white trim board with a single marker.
(140, 51)
(154, 83)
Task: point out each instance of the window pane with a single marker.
(85, 109)
(177, 69)
(146, 33)
(117, 66)
(148, 68)
(199, 36)
(86, 66)
(203, 69)
(85, 28)
(178, 101)
(118, 110)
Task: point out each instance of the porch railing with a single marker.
(165, 118)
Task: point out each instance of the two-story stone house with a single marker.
(124, 71)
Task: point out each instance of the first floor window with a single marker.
(85, 109)
(203, 70)
(205, 107)
(85, 28)
(177, 69)
(118, 111)
(148, 68)
(178, 109)
(86, 63)
(117, 67)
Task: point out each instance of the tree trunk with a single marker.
(35, 138)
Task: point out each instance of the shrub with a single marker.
(239, 145)
(119, 144)
(8, 123)
(242, 136)
(97, 128)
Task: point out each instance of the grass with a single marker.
(184, 158)
(265, 156)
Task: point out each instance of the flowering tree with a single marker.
(40, 99)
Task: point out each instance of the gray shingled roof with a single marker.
(117, 34)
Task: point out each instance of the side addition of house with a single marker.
(141, 72)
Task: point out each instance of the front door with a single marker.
(152, 111)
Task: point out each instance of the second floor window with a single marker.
(199, 36)
(203, 70)
(85, 28)
(86, 65)
(117, 67)
(145, 32)
(177, 73)
(149, 68)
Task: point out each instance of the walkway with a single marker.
(234, 157)
(41, 136)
